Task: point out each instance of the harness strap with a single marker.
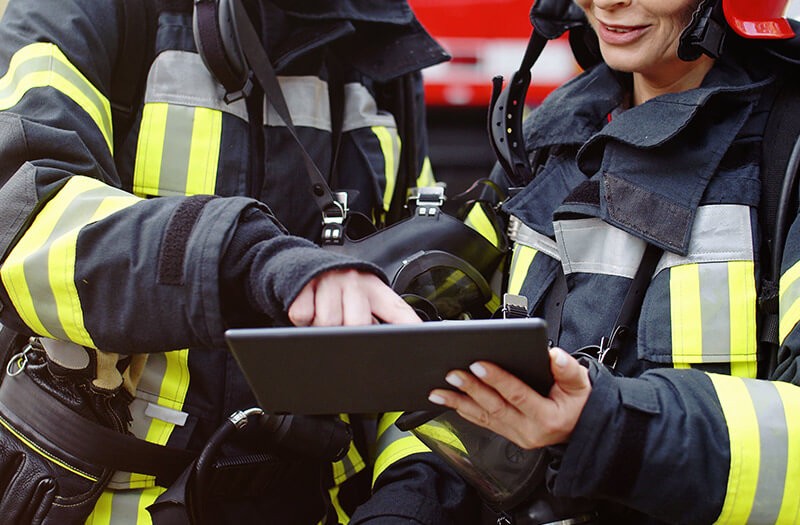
(85, 439)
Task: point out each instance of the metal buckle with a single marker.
(428, 200)
(514, 306)
(333, 223)
(19, 359)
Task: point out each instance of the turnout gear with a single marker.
(80, 175)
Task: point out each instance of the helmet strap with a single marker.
(705, 34)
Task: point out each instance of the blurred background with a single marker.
(485, 38)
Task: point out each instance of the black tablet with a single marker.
(381, 367)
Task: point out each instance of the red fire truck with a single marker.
(486, 38)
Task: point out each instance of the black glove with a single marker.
(39, 483)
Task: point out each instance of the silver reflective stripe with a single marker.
(593, 246)
(174, 173)
(715, 312)
(774, 453)
(389, 436)
(77, 213)
(181, 78)
(307, 100)
(361, 110)
(720, 232)
(532, 239)
(176, 417)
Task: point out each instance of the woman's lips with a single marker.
(618, 34)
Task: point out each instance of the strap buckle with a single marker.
(428, 199)
(514, 306)
(333, 220)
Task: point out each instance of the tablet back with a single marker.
(381, 367)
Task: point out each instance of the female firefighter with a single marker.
(646, 174)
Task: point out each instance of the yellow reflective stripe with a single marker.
(150, 149)
(426, 177)
(42, 452)
(790, 508)
(394, 444)
(340, 513)
(41, 65)
(521, 260)
(685, 312)
(204, 153)
(480, 222)
(124, 507)
(789, 300)
(390, 147)
(742, 298)
(351, 464)
(742, 423)
(51, 307)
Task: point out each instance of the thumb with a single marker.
(568, 374)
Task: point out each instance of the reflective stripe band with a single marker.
(789, 301)
(361, 110)
(394, 444)
(180, 78)
(527, 236)
(763, 425)
(191, 136)
(351, 464)
(128, 507)
(593, 246)
(713, 314)
(521, 260)
(165, 382)
(42, 452)
(52, 307)
(426, 177)
(719, 233)
(390, 147)
(41, 65)
(478, 221)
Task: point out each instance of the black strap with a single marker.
(265, 74)
(336, 101)
(405, 94)
(24, 404)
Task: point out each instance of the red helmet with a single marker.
(758, 18)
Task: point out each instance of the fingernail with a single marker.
(454, 380)
(478, 369)
(435, 398)
(561, 358)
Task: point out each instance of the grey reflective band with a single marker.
(389, 436)
(715, 310)
(532, 239)
(78, 213)
(174, 173)
(593, 246)
(361, 110)
(721, 232)
(180, 78)
(774, 452)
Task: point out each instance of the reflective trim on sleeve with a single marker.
(713, 314)
(521, 260)
(527, 236)
(789, 301)
(51, 306)
(763, 422)
(351, 464)
(480, 222)
(394, 444)
(42, 64)
(593, 246)
(390, 147)
(125, 507)
(164, 382)
(426, 177)
(192, 136)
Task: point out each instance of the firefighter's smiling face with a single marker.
(641, 36)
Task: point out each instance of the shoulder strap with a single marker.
(778, 206)
(136, 46)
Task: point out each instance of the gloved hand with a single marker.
(40, 483)
(553, 18)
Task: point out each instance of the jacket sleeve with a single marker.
(82, 259)
(692, 447)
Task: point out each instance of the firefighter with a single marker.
(132, 237)
(639, 239)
